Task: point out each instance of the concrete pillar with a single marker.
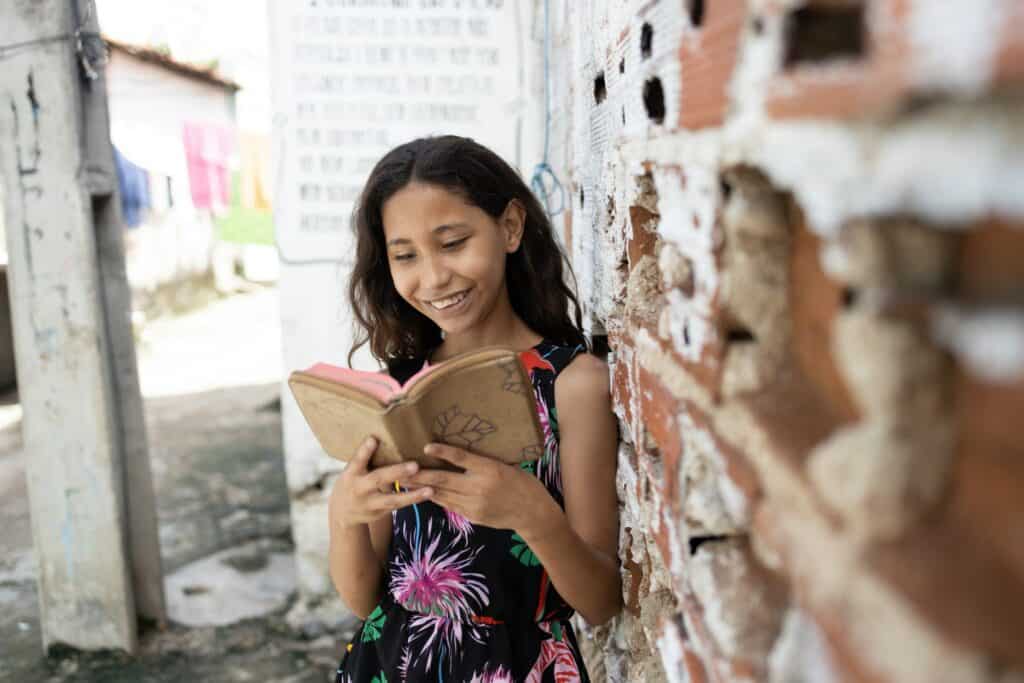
(83, 426)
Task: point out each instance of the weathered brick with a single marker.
(814, 307)
(707, 56)
(741, 604)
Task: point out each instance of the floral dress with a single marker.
(466, 603)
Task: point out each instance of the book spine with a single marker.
(404, 425)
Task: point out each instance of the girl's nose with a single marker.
(436, 274)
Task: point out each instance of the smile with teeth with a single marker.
(441, 304)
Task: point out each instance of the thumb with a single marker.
(361, 461)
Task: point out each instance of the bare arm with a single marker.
(359, 517)
(579, 549)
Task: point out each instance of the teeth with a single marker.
(450, 301)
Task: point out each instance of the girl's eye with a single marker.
(402, 257)
(454, 244)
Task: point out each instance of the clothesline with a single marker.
(212, 153)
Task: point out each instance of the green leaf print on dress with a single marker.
(522, 552)
(380, 678)
(374, 625)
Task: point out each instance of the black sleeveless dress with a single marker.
(471, 604)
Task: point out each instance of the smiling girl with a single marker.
(473, 574)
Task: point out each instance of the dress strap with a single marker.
(559, 355)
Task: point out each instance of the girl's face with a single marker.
(447, 257)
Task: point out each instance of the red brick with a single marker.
(814, 301)
(1010, 57)
(966, 591)
(658, 410)
(857, 87)
(707, 59)
(991, 267)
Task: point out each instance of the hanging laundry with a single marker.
(254, 158)
(208, 150)
(133, 183)
(160, 194)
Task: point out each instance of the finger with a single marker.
(450, 501)
(386, 502)
(438, 478)
(361, 460)
(384, 478)
(455, 456)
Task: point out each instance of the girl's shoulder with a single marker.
(584, 374)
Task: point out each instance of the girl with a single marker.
(472, 575)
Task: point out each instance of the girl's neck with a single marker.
(515, 335)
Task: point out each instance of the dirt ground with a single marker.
(211, 381)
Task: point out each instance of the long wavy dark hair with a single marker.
(534, 274)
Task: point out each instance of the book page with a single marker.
(377, 384)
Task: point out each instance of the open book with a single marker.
(481, 401)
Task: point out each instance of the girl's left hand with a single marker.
(486, 492)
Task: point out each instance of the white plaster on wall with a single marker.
(954, 42)
(687, 201)
(800, 655)
(989, 342)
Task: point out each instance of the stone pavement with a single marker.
(211, 381)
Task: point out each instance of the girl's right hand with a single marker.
(360, 496)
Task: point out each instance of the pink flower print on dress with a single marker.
(499, 675)
(426, 632)
(438, 583)
(547, 467)
(461, 526)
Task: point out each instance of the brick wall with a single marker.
(801, 227)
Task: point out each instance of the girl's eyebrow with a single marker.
(445, 227)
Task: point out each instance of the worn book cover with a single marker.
(481, 401)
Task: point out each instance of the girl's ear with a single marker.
(513, 223)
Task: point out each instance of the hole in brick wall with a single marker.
(686, 332)
(696, 10)
(698, 541)
(850, 295)
(739, 335)
(581, 197)
(622, 65)
(600, 89)
(646, 40)
(757, 26)
(623, 116)
(726, 188)
(654, 100)
(819, 34)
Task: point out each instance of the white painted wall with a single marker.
(316, 323)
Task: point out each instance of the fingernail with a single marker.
(428, 449)
(411, 468)
(427, 493)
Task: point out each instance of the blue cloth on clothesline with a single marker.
(133, 181)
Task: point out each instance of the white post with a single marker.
(76, 369)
